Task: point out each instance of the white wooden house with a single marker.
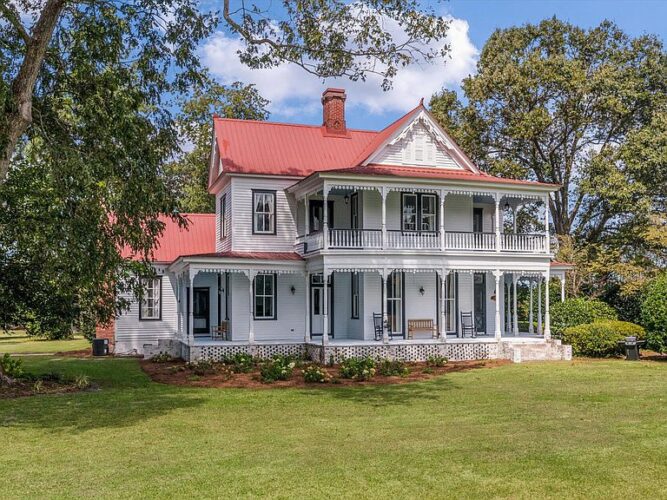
(319, 228)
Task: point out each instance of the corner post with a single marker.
(515, 314)
(306, 224)
(251, 309)
(307, 308)
(498, 333)
(443, 193)
(531, 328)
(443, 282)
(325, 217)
(383, 195)
(325, 306)
(547, 317)
(540, 331)
(497, 214)
(385, 314)
(191, 326)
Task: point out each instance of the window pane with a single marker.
(410, 212)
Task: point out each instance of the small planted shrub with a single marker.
(82, 382)
(392, 368)
(600, 339)
(578, 311)
(358, 368)
(436, 361)
(11, 367)
(162, 357)
(654, 313)
(202, 367)
(277, 368)
(240, 363)
(315, 374)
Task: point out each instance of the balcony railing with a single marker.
(459, 240)
(412, 240)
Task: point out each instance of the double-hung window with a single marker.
(355, 296)
(223, 216)
(263, 212)
(419, 212)
(151, 301)
(265, 296)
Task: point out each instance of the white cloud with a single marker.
(292, 91)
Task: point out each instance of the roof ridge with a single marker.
(286, 124)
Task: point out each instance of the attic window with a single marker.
(419, 149)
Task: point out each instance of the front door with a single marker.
(200, 311)
(395, 303)
(480, 302)
(317, 307)
(317, 215)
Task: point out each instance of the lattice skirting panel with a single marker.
(405, 352)
(262, 351)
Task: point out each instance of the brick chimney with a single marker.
(333, 111)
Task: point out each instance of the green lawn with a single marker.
(20, 343)
(583, 429)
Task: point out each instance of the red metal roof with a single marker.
(432, 173)
(555, 263)
(251, 255)
(197, 237)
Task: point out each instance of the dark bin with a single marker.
(100, 347)
(631, 345)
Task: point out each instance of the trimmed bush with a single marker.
(654, 313)
(358, 368)
(600, 339)
(315, 374)
(202, 367)
(392, 368)
(240, 363)
(436, 361)
(578, 311)
(278, 368)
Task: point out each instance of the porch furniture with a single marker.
(378, 324)
(421, 325)
(220, 332)
(468, 324)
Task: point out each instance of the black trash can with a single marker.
(100, 347)
(631, 345)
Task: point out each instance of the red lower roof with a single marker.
(197, 237)
(250, 255)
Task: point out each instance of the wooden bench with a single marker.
(421, 325)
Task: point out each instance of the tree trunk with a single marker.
(19, 115)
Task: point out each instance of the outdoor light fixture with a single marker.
(292, 289)
(493, 297)
(507, 206)
(347, 199)
(421, 290)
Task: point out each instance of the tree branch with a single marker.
(9, 12)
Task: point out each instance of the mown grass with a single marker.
(582, 429)
(17, 342)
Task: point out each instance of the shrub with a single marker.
(600, 339)
(392, 368)
(202, 367)
(82, 382)
(278, 368)
(241, 362)
(436, 361)
(315, 374)
(162, 357)
(11, 367)
(654, 313)
(578, 311)
(357, 368)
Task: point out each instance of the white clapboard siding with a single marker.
(132, 333)
(402, 152)
(290, 323)
(242, 238)
(372, 302)
(458, 213)
(224, 244)
(465, 295)
(490, 304)
(372, 210)
(419, 306)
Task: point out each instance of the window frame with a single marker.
(419, 212)
(143, 298)
(273, 193)
(274, 298)
(354, 296)
(223, 216)
(354, 211)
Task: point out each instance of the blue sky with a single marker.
(295, 95)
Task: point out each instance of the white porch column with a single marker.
(443, 282)
(306, 225)
(307, 297)
(497, 214)
(251, 309)
(515, 314)
(562, 288)
(383, 195)
(531, 329)
(325, 217)
(384, 293)
(539, 306)
(547, 318)
(443, 193)
(508, 301)
(546, 224)
(325, 306)
(497, 332)
(191, 326)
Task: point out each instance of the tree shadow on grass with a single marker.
(390, 394)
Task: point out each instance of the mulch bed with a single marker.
(176, 373)
(24, 388)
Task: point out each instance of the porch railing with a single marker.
(355, 238)
(311, 242)
(413, 240)
(511, 242)
(459, 240)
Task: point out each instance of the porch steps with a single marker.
(552, 350)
